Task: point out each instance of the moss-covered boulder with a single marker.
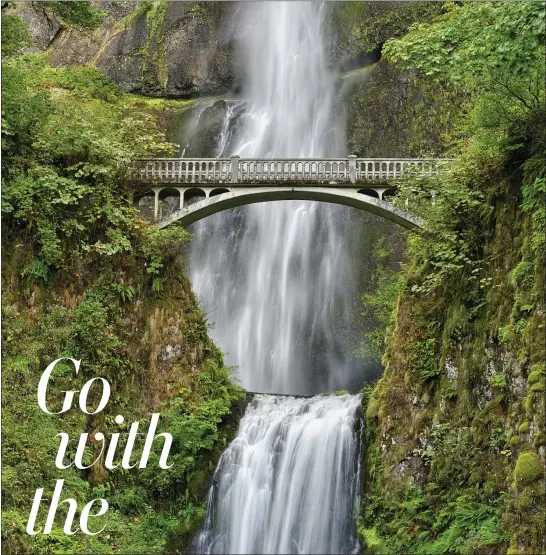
(528, 468)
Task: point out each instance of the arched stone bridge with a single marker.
(189, 189)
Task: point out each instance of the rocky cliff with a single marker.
(179, 49)
(154, 48)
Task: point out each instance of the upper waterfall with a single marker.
(277, 280)
(289, 89)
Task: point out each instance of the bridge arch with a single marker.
(193, 195)
(369, 192)
(218, 191)
(213, 204)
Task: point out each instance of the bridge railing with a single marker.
(389, 169)
(297, 169)
(257, 170)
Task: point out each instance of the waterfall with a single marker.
(276, 280)
(288, 481)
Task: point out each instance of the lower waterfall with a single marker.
(289, 480)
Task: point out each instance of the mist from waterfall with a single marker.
(275, 278)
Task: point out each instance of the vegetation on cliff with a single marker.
(455, 452)
(85, 277)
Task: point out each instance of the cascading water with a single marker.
(288, 481)
(276, 280)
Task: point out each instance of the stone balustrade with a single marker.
(253, 171)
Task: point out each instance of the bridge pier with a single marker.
(235, 169)
(156, 203)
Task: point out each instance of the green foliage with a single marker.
(450, 393)
(474, 279)
(80, 14)
(15, 36)
(60, 157)
(379, 305)
(85, 277)
(534, 203)
(162, 244)
(124, 290)
(479, 49)
(475, 44)
(522, 274)
(371, 542)
(423, 359)
(361, 27)
(498, 381)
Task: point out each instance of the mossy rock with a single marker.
(522, 275)
(514, 440)
(523, 428)
(540, 439)
(534, 377)
(528, 468)
(371, 540)
(537, 387)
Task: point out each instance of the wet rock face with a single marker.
(172, 49)
(218, 123)
(199, 50)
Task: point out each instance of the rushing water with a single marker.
(276, 280)
(286, 484)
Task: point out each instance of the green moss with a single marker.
(514, 440)
(156, 41)
(537, 387)
(372, 409)
(540, 439)
(523, 428)
(537, 372)
(153, 52)
(371, 542)
(78, 279)
(523, 273)
(140, 9)
(528, 468)
(364, 26)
